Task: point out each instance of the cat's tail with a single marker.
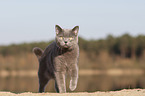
(38, 52)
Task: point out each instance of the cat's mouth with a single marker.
(66, 46)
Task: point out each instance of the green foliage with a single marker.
(21, 48)
(124, 46)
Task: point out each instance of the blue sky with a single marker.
(34, 20)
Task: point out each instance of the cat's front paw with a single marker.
(72, 86)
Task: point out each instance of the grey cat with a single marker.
(59, 58)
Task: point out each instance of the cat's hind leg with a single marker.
(42, 83)
(56, 87)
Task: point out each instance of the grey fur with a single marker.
(59, 58)
(38, 52)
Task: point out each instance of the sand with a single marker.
(125, 92)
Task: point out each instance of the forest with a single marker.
(123, 51)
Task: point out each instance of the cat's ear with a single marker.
(75, 30)
(58, 29)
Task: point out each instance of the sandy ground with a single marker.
(125, 92)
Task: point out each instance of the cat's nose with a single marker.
(65, 42)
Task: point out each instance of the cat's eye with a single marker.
(61, 38)
(70, 38)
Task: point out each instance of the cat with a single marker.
(58, 59)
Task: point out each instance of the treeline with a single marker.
(125, 46)
(17, 49)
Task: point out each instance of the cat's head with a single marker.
(66, 38)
